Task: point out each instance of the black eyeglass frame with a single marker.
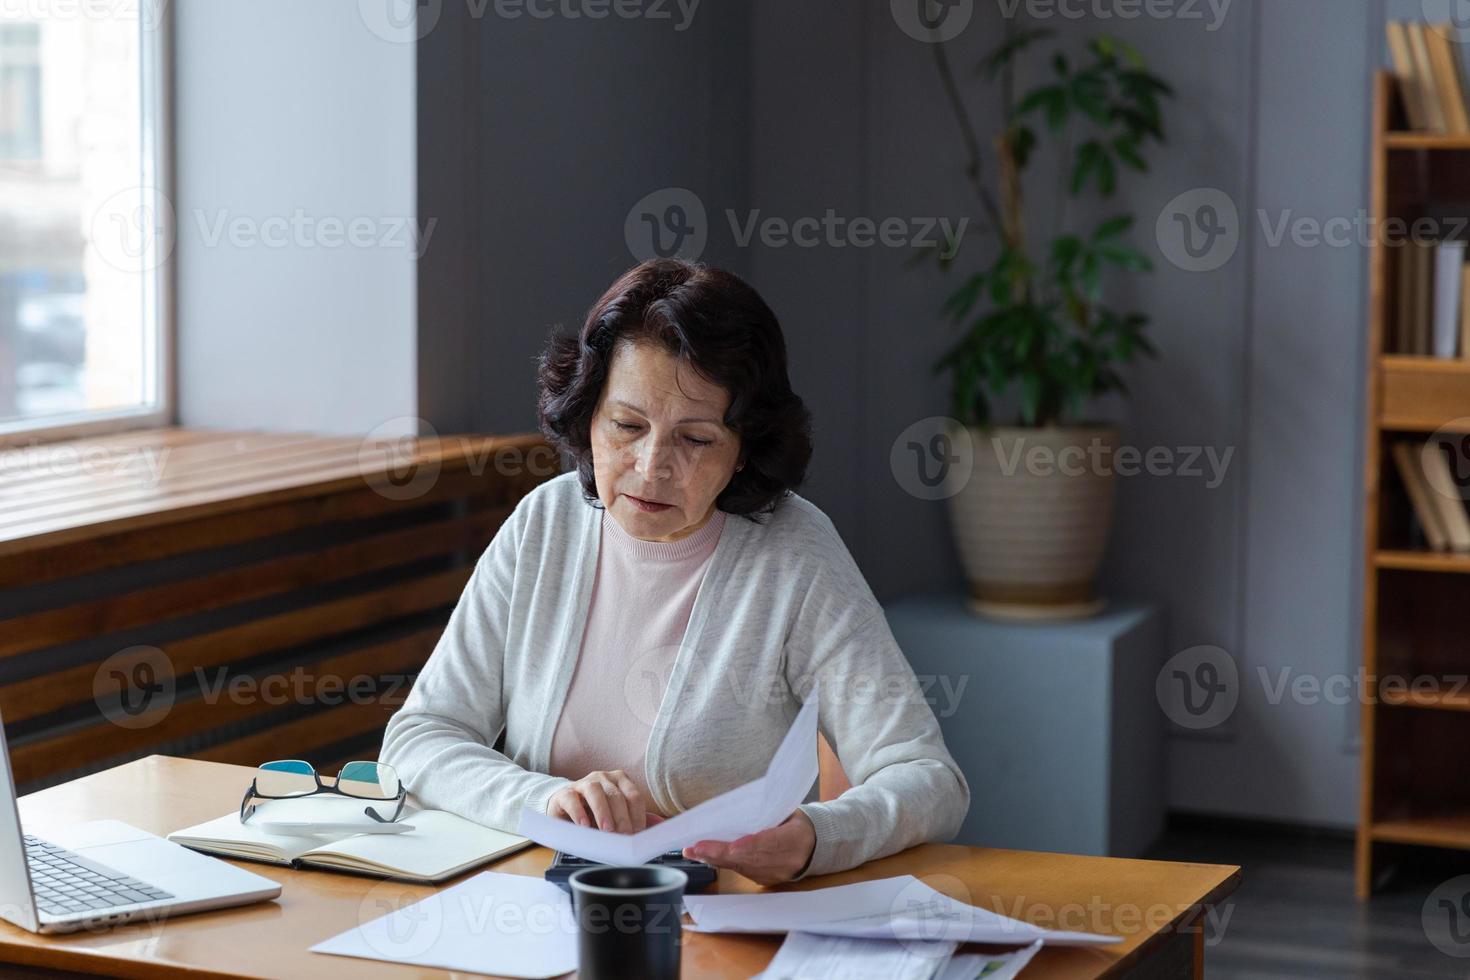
(401, 798)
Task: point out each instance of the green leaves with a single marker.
(1064, 252)
(963, 299)
(1033, 393)
(1113, 94)
(1128, 259)
(1023, 142)
(1038, 332)
(1126, 149)
(1052, 98)
(1112, 228)
(1093, 159)
(1089, 91)
(1110, 49)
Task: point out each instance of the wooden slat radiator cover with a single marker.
(233, 596)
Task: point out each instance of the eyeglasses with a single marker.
(289, 779)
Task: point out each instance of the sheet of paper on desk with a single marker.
(889, 908)
(500, 924)
(804, 956)
(757, 805)
(988, 966)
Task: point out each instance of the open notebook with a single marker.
(440, 846)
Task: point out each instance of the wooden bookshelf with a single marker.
(1425, 141)
(1437, 701)
(1415, 787)
(1422, 561)
(1449, 830)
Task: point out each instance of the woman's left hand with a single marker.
(767, 858)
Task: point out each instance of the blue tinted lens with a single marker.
(289, 765)
(285, 777)
(365, 772)
(368, 779)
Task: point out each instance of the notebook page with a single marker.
(228, 833)
(439, 843)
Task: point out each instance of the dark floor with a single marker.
(1295, 917)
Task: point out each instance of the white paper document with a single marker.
(988, 966)
(748, 809)
(500, 924)
(890, 908)
(804, 956)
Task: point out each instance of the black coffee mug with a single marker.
(628, 921)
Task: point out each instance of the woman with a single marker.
(645, 628)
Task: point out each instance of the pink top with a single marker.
(641, 598)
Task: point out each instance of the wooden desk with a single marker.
(1156, 905)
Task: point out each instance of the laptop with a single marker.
(105, 872)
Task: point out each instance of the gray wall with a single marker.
(541, 135)
(293, 122)
(1300, 380)
(537, 137)
(1262, 356)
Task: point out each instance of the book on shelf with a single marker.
(1433, 107)
(1445, 497)
(1431, 306)
(1400, 330)
(1411, 87)
(1431, 78)
(1449, 266)
(1423, 295)
(1445, 69)
(1465, 311)
(1407, 461)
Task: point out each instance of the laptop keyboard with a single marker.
(65, 882)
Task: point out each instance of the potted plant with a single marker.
(1032, 519)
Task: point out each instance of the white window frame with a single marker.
(157, 144)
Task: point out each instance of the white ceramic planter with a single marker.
(1032, 520)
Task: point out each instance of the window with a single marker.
(85, 228)
(20, 91)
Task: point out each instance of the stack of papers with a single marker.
(756, 806)
(990, 966)
(807, 957)
(518, 926)
(903, 907)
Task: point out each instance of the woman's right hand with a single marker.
(605, 800)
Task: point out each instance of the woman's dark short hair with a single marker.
(718, 325)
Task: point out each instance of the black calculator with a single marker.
(701, 875)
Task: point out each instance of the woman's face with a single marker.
(658, 435)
